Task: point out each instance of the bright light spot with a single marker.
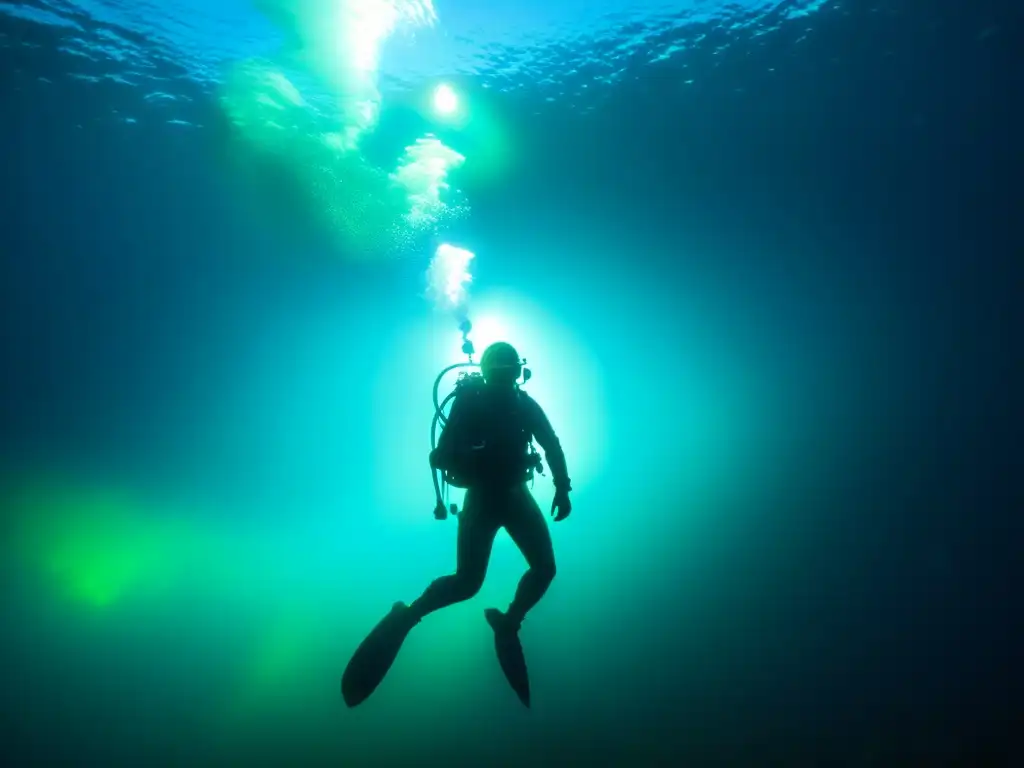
(567, 380)
(446, 101)
(448, 276)
(486, 330)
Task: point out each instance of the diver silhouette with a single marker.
(487, 442)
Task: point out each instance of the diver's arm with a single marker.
(545, 435)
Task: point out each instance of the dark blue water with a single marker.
(763, 258)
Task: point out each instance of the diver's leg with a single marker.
(525, 524)
(477, 530)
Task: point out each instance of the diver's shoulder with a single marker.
(529, 402)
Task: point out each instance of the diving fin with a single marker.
(375, 655)
(510, 653)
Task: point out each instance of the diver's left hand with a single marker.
(561, 506)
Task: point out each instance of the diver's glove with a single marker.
(561, 506)
(440, 511)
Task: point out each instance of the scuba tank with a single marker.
(468, 384)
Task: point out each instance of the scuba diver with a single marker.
(486, 447)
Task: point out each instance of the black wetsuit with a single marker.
(495, 427)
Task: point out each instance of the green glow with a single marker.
(338, 45)
(302, 144)
(97, 548)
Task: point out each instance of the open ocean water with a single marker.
(764, 259)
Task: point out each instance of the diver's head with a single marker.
(501, 365)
